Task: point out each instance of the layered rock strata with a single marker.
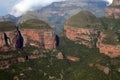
(80, 29)
(110, 50)
(83, 28)
(83, 36)
(41, 37)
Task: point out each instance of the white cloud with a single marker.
(24, 5)
(110, 1)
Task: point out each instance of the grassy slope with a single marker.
(7, 26)
(84, 19)
(34, 24)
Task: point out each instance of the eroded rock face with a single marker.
(92, 38)
(108, 49)
(83, 36)
(39, 38)
(10, 41)
(33, 37)
(113, 11)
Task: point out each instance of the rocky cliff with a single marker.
(113, 11)
(39, 38)
(42, 37)
(108, 47)
(86, 29)
(83, 36)
(82, 28)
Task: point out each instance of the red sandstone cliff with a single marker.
(33, 37)
(82, 35)
(80, 28)
(40, 38)
(11, 42)
(108, 49)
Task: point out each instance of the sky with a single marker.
(19, 7)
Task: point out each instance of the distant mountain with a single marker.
(58, 12)
(8, 17)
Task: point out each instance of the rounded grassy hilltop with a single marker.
(83, 19)
(7, 26)
(34, 24)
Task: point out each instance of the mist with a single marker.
(23, 6)
(28, 5)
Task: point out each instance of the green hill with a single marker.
(34, 24)
(7, 26)
(84, 19)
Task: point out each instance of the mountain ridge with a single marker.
(58, 12)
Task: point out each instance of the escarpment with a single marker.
(6, 35)
(38, 34)
(109, 44)
(83, 28)
(32, 32)
(39, 38)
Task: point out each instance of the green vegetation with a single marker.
(112, 30)
(80, 70)
(111, 38)
(84, 19)
(111, 24)
(34, 24)
(50, 68)
(7, 26)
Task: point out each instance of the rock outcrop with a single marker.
(6, 36)
(38, 34)
(82, 28)
(42, 36)
(83, 36)
(111, 49)
(113, 11)
(39, 38)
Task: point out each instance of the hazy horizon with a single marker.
(19, 7)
